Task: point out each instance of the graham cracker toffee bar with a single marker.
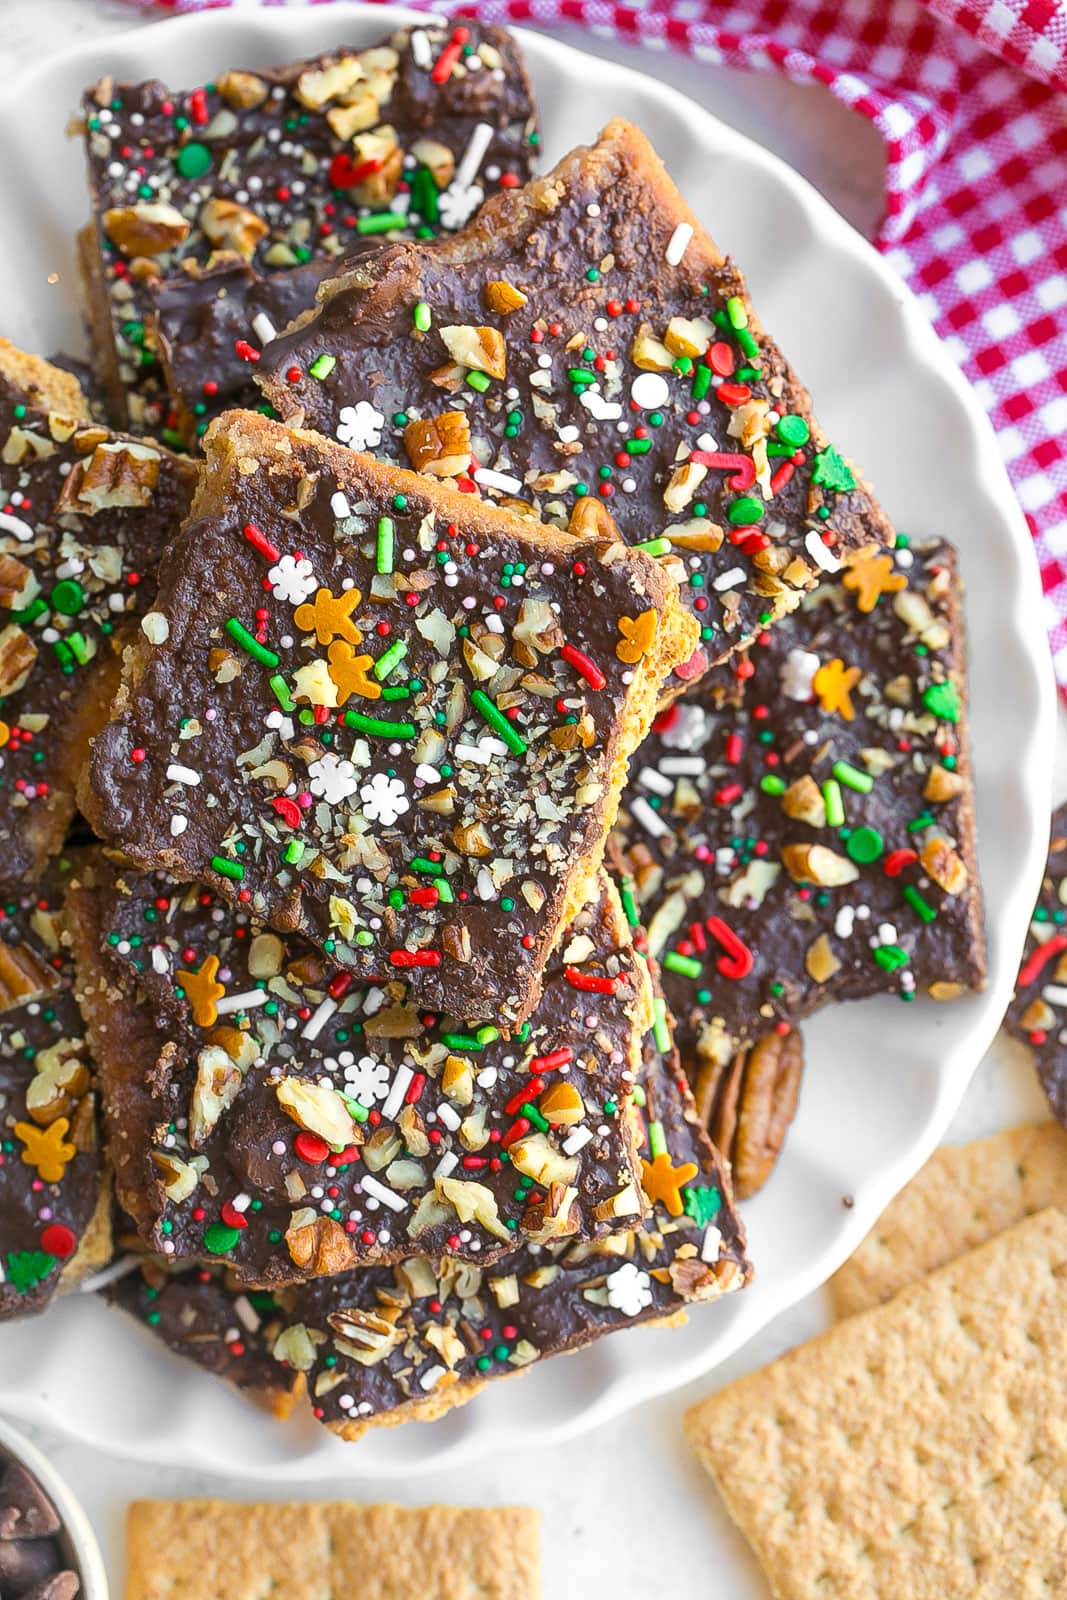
(384, 716)
(217, 190)
(54, 1203)
(380, 1347)
(265, 1112)
(801, 828)
(585, 338)
(83, 516)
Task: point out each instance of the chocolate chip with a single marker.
(24, 1562)
(60, 1586)
(25, 1510)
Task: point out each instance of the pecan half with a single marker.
(748, 1104)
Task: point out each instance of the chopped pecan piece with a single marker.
(440, 446)
(17, 655)
(320, 1247)
(118, 475)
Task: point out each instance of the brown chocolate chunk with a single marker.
(603, 350)
(25, 1510)
(347, 715)
(60, 1586)
(24, 1562)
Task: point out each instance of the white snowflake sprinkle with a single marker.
(629, 1289)
(293, 579)
(384, 799)
(360, 426)
(367, 1080)
(333, 778)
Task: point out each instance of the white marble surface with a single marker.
(676, 1538)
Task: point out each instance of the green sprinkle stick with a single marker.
(259, 652)
(686, 965)
(498, 722)
(835, 810)
(377, 728)
(227, 868)
(656, 1141)
(922, 908)
(852, 778)
(386, 540)
(391, 659)
(660, 1031)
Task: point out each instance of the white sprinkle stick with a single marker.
(818, 552)
(263, 328)
(339, 505)
(160, 960)
(497, 480)
(652, 823)
(177, 774)
(1055, 994)
(242, 1002)
(421, 53)
(473, 752)
(577, 1141)
(711, 1245)
(449, 1116)
(398, 1089)
(679, 243)
(319, 1018)
(447, 1165)
(178, 826)
(649, 778)
(431, 1377)
(378, 1191)
(683, 766)
(473, 156)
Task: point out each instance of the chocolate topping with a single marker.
(228, 1332)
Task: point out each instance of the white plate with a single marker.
(883, 1079)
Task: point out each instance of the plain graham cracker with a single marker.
(963, 1196)
(330, 1550)
(917, 1451)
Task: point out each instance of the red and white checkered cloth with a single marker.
(968, 96)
